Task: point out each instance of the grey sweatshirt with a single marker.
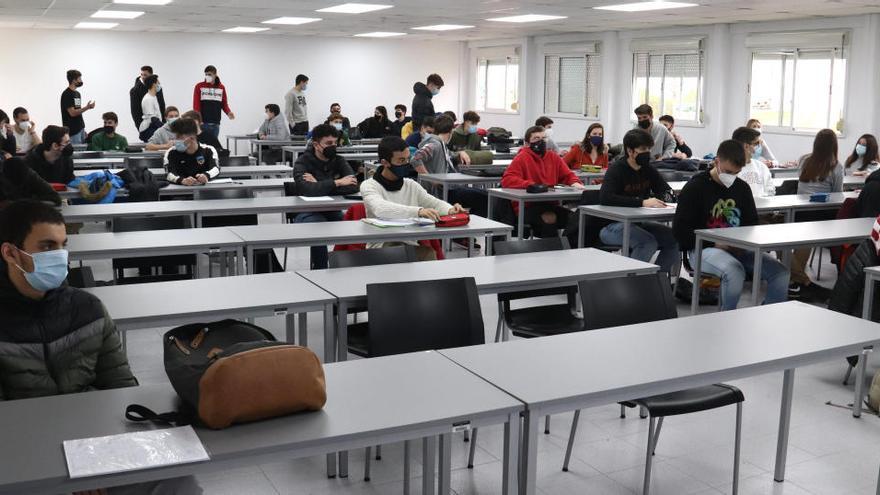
(296, 109)
(832, 183)
(275, 128)
(163, 135)
(664, 143)
(434, 155)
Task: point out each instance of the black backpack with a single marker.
(141, 183)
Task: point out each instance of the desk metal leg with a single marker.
(529, 453)
(698, 265)
(239, 261)
(860, 382)
(582, 224)
(756, 276)
(343, 464)
(406, 470)
(249, 253)
(511, 454)
(341, 338)
(259, 154)
(624, 248)
(784, 425)
(289, 327)
(331, 465)
(303, 330)
(429, 464)
(522, 219)
(445, 479)
(868, 297)
(198, 220)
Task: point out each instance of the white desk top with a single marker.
(792, 234)
(557, 194)
(233, 171)
(118, 244)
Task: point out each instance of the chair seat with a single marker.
(691, 400)
(359, 339)
(540, 321)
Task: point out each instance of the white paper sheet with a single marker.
(133, 451)
(316, 198)
(222, 181)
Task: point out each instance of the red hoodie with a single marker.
(528, 168)
(209, 99)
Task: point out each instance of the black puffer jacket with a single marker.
(850, 287)
(18, 181)
(868, 204)
(325, 174)
(422, 106)
(64, 343)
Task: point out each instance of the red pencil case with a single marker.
(456, 220)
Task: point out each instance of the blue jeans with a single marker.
(644, 240)
(732, 268)
(319, 256)
(212, 128)
(78, 138)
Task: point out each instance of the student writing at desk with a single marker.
(189, 163)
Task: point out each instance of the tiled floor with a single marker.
(830, 452)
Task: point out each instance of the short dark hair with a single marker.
(443, 124)
(211, 69)
(192, 114)
(110, 116)
(450, 114)
(323, 130)
(72, 75)
(18, 218)
(732, 151)
(18, 111)
(151, 80)
(428, 122)
(301, 78)
(543, 121)
(272, 107)
(530, 131)
(667, 118)
(388, 145)
(147, 68)
(54, 134)
(401, 107)
(636, 138)
(436, 80)
(644, 109)
(745, 135)
(171, 109)
(3, 118)
(185, 127)
(471, 116)
(335, 105)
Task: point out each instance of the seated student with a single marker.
(754, 173)
(53, 160)
(18, 181)
(416, 138)
(464, 136)
(79, 346)
(434, 156)
(762, 152)
(868, 202)
(190, 163)
(152, 113)
(376, 126)
(392, 194)
(163, 138)
(682, 150)
(206, 137)
(820, 173)
(338, 122)
(7, 137)
(400, 120)
(547, 124)
(864, 159)
(592, 150)
(717, 198)
(108, 139)
(25, 131)
(320, 171)
(274, 127)
(534, 164)
(664, 143)
(337, 108)
(632, 181)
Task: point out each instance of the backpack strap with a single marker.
(139, 413)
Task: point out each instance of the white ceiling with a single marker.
(198, 16)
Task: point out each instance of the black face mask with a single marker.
(109, 129)
(79, 84)
(67, 150)
(378, 116)
(539, 147)
(390, 185)
(643, 159)
(329, 152)
(644, 124)
(398, 114)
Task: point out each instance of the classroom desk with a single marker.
(372, 401)
(97, 163)
(260, 143)
(872, 275)
(235, 138)
(445, 181)
(356, 232)
(788, 236)
(570, 372)
(789, 172)
(248, 185)
(109, 245)
(493, 275)
(252, 171)
(522, 197)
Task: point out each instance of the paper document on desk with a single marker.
(316, 198)
(669, 206)
(222, 181)
(397, 222)
(133, 451)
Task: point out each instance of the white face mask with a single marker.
(24, 125)
(209, 79)
(548, 132)
(726, 179)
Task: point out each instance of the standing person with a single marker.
(275, 128)
(72, 108)
(534, 164)
(592, 150)
(377, 126)
(682, 150)
(296, 109)
(53, 160)
(547, 124)
(136, 95)
(108, 139)
(664, 143)
(717, 198)
(400, 119)
(464, 136)
(754, 173)
(152, 113)
(337, 108)
(762, 152)
(864, 159)
(320, 171)
(24, 130)
(209, 99)
(422, 104)
(190, 163)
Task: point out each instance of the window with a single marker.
(668, 75)
(498, 83)
(571, 84)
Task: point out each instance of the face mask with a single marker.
(758, 151)
(109, 129)
(539, 147)
(759, 131)
(79, 84)
(643, 159)
(337, 125)
(398, 114)
(158, 88)
(861, 149)
(67, 150)
(50, 269)
(435, 92)
(329, 152)
(305, 87)
(24, 125)
(548, 132)
(596, 140)
(171, 119)
(472, 129)
(180, 146)
(209, 79)
(403, 171)
(726, 179)
(644, 124)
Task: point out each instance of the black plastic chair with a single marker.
(641, 299)
(152, 263)
(144, 161)
(234, 161)
(789, 186)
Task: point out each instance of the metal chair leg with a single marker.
(367, 459)
(622, 411)
(574, 425)
(473, 450)
(646, 488)
(643, 413)
(547, 425)
(736, 448)
(819, 269)
(657, 434)
(849, 371)
(500, 327)
(378, 452)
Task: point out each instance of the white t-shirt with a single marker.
(23, 142)
(758, 177)
(150, 107)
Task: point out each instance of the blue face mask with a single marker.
(434, 92)
(50, 269)
(758, 150)
(180, 146)
(472, 129)
(403, 171)
(861, 149)
(337, 126)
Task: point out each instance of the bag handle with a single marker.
(139, 413)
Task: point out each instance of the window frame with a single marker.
(701, 83)
(583, 54)
(488, 59)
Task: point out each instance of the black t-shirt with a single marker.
(180, 164)
(706, 204)
(71, 98)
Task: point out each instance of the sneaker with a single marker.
(795, 290)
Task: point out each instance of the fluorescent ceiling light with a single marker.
(292, 21)
(528, 18)
(142, 2)
(443, 27)
(379, 34)
(245, 29)
(117, 14)
(355, 8)
(646, 6)
(96, 25)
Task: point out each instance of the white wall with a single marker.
(727, 75)
(256, 70)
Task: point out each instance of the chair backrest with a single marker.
(290, 188)
(530, 246)
(369, 257)
(223, 194)
(151, 223)
(424, 315)
(627, 300)
(234, 161)
(144, 161)
(787, 187)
